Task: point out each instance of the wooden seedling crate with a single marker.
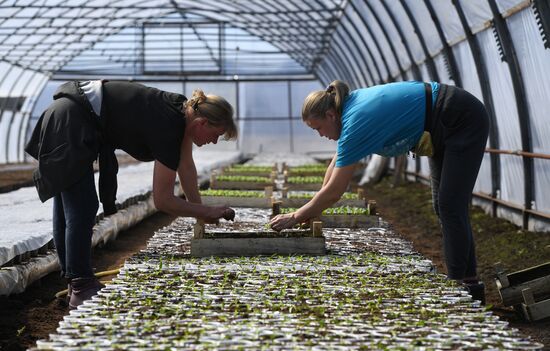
(528, 290)
(290, 173)
(244, 172)
(288, 242)
(241, 201)
(286, 201)
(216, 184)
(342, 221)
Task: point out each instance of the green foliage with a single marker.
(345, 196)
(232, 193)
(305, 180)
(235, 178)
(250, 168)
(331, 211)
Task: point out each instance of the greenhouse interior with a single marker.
(275, 175)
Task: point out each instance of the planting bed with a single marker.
(249, 170)
(235, 198)
(371, 292)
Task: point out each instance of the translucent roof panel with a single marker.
(167, 36)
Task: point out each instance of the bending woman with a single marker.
(444, 122)
(93, 118)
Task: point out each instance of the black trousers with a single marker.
(459, 127)
(74, 211)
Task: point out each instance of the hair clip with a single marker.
(196, 105)
(329, 89)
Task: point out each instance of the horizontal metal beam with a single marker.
(151, 78)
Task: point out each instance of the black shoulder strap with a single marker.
(428, 87)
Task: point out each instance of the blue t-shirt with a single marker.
(384, 119)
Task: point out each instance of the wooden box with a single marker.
(527, 290)
(288, 242)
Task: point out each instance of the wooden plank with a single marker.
(513, 295)
(258, 246)
(234, 201)
(245, 173)
(536, 311)
(304, 187)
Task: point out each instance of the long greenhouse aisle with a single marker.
(371, 291)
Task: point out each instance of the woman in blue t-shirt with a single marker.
(443, 122)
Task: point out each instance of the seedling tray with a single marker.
(253, 243)
(240, 185)
(295, 202)
(336, 219)
(246, 172)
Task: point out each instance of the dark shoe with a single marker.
(83, 289)
(477, 290)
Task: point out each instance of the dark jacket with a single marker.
(66, 141)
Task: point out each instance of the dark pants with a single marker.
(74, 212)
(459, 128)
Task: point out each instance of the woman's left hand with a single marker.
(283, 221)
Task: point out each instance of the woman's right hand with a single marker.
(214, 213)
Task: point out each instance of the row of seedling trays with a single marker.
(307, 177)
(368, 290)
(339, 301)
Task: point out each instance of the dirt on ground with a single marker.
(408, 208)
(35, 314)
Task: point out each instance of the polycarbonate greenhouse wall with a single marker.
(267, 54)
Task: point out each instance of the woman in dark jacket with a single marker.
(94, 118)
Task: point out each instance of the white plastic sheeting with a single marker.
(448, 18)
(535, 66)
(376, 167)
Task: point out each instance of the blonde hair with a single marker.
(217, 111)
(317, 103)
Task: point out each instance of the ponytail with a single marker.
(319, 102)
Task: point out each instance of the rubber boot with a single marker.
(83, 289)
(477, 290)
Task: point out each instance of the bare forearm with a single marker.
(322, 200)
(189, 184)
(329, 170)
